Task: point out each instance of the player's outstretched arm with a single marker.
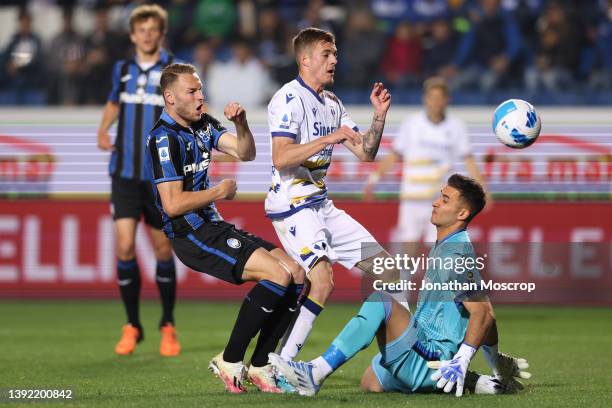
(453, 371)
(242, 144)
(381, 101)
(177, 202)
(109, 116)
(286, 153)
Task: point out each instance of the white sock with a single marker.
(299, 334)
(321, 369)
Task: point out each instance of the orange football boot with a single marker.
(129, 338)
(169, 346)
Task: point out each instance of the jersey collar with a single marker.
(312, 91)
(452, 234)
(164, 58)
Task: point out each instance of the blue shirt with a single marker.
(440, 313)
(175, 152)
(140, 100)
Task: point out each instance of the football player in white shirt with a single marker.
(430, 143)
(306, 122)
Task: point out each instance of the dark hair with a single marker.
(147, 11)
(471, 192)
(170, 74)
(309, 37)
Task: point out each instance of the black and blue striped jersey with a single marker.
(175, 152)
(140, 100)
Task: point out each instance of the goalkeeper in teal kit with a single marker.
(431, 349)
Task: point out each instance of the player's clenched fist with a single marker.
(228, 188)
(235, 112)
(344, 133)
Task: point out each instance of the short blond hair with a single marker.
(435, 82)
(147, 11)
(171, 73)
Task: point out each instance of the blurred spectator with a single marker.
(359, 63)
(182, 35)
(65, 58)
(271, 40)
(22, 63)
(102, 47)
(601, 77)
(242, 79)
(390, 12)
(429, 10)
(313, 17)
(526, 13)
(403, 57)
(203, 57)
(488, 49)
(214, 18)
(557, 55)
(439, 49)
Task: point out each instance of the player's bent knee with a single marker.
(278, 274)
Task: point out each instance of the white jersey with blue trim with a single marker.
(298, 112)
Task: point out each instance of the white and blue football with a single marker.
(516, 123)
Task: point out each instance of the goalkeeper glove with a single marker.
(451, 372)
(507, 368)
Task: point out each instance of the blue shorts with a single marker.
(402, 365)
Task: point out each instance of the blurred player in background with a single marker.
(430, 143)
(136, 101)
(448, 323)
(178, 157)
(306, 121)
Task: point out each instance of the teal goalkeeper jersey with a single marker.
(452, 276)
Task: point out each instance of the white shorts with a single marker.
(415, 222)
(325, 231)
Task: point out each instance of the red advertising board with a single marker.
(66, 249)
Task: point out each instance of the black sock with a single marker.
(258, 306)
(165, 276)
(129, 286)
(275, 327)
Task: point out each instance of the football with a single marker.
(516, 123)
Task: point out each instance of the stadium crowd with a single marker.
(542, 48)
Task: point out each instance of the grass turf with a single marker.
(54, 344)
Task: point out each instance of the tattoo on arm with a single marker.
(371, 138)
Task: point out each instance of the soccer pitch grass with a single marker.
(69, 344)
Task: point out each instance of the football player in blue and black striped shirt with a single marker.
(179, 155)
(136, 102)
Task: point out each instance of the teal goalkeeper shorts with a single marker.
(402, 365)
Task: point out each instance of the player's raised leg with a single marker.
(356, 336)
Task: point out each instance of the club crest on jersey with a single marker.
(202, 137)
(233, 243)
(164, 155)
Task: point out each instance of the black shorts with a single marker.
(218, 249)
(133, 199)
